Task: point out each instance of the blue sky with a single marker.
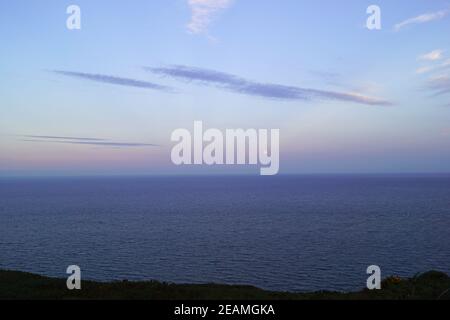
(346, 99)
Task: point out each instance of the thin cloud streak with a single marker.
(107, 144)
(434, 68)
(113, 80)
(265, 90)
(439, 84)
(62, 138)
(424, 18)
(83, 141)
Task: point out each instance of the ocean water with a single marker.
(296, 233)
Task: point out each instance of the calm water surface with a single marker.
(285, 232)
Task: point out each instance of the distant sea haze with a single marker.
(296, 233)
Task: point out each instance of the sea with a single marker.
(286, 233)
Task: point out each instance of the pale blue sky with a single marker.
(392, 119)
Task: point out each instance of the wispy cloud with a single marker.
(265, 90)
(82, 141)
(429, 69)
(423, 70)
(423, 18)
(440, 84)
(62, 138)
(203, 13)
(432, 56)
(113, 80)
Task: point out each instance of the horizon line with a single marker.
(172, 175)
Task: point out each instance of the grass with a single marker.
(14, 285)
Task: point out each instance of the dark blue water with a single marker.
(284, 232)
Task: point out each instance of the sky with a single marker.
(104, 99)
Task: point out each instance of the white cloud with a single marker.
(433, 68)
(427, 17)
(203, 13)
(422, 70)
(432, 56)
